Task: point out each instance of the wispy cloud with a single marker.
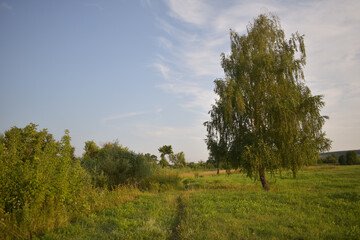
(194, 96)
(6, 6)
(121, 116)
(165, 43)
(163, 69)
(201, 32)
(193, 12)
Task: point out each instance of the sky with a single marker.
(141, 72)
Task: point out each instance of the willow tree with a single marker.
(265, 118)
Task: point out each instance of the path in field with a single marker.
(322, 203)
(176, 228)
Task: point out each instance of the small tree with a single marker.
(91, 149)
(165, 150)
(151, 158)
(163, 162)
(178, 159)
(265, 117)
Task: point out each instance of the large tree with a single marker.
(265, 117)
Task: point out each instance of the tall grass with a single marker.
(150, 216)
(161, 181)
(30, 221)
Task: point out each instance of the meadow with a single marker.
(323, 202)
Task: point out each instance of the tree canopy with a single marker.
(265, 117)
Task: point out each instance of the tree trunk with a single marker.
(263, 179)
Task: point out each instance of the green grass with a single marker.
(150, 216)
(322, 203)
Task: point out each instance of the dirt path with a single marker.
(176, 228)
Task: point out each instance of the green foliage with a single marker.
(147, 217)
(208, 165)
(163, 162)
(178, 159)
(114, 164)
(151, 158)
(322, 203)
(192, 165)
(91, 149)
(352, 158)
(331, 159)
(40, 178)
(342, 160)
(161, 182)
(165, 150)
(266, 117)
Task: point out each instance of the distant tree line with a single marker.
(350, 158)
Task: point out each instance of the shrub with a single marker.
(41, 182)
(114, 164)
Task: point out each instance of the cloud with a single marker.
(163, 69)
(195, 97)
(196, 32)
(332, 44)
(6, 6)
(165, 43)
(121, 116)
(193, 12)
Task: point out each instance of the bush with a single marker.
(113, 165)
(41, 183)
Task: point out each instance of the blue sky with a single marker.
(142, 71)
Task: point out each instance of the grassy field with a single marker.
(322, 203)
